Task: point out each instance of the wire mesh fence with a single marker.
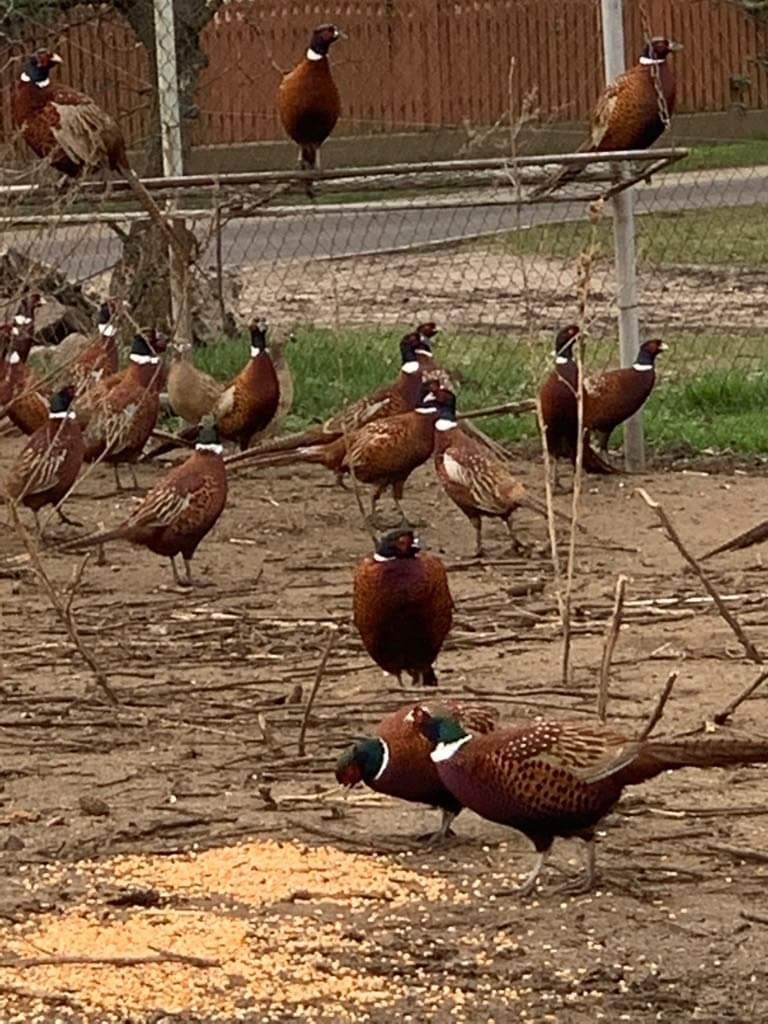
(455, 242)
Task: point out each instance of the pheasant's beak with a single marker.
(56, 59)
(340, 34)
(674, 47)
(663, 347)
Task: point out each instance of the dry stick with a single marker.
(722, 716)
(661, 703)
(40, 994)
(333, 634)
(63, 611)
(505, 409)
(751, 651)
(160, 957)
(609, 645)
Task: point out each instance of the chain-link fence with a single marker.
(387, 247)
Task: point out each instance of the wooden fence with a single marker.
(412, 65)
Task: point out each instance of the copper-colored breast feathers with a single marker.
(250, 402)
(309, 103)
(48, 465)
(403, 610)
(124, 418)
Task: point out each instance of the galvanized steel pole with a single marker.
(173, 158)
(624, 241)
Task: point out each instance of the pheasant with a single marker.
(308, 101)
(479, 484)
(50, 461)
(559, 408)
(632, 112)
(396, 761)
(75, 136)
(178, 512)
(401, 395)
(22, 395)
(251, 400)
(403, 607)
(192, 393)
(122, 419)
(550, 779)
(98, 359)
(611, 398)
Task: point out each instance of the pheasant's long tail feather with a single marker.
(287, 443)
(314, 454)
(756, 535)
(184, 439)
(592, 462)
(704, 750)
(80, 543)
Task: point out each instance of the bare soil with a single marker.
(358, 920)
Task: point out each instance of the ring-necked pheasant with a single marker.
(308, 101)
(559, 408)
(248, 404)
(403, 607)
(632, 112)
(123, 417)
(396, 761)
(550, 779)
(23, 397)
(50, 461)
(75, 136)
(98, 359)
(479, 484)
(401, 395)
(178, 512)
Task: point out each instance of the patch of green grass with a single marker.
(744, 153)
(713, 409)
(732, 235)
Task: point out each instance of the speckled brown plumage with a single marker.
(50, 461)
(403, 607)
(308, 101)
(98, 359)
(479, 484)
(124, 417)
(251, 400)
(628, 114)
(177, 512)
(22, 394)
(551, 779)
(409, 773)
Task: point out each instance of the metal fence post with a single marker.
(624, 240)
(173, 158)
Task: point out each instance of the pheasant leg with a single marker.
(478, 525)
(189, 581)
(444, 833)
(64, 518)
(176, 578)
(585, 881)
(529, 883)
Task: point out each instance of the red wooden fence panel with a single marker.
(410, 65)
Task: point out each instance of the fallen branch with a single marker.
(661, 703)
(609, 645)
(721, 718)
(333, 634)
(743, 853)
(43, 995)
(505, 409)
(751, 651)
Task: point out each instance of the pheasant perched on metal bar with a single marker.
(550, 779)
(308, 101)
(75, 136)
(49, 463)
(403, 607)
(396, 761)
(178, 512)
(632, 112)
(122, 419)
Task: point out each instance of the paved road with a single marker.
(83, 251)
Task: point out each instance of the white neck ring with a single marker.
(314, 55)
(384, 760)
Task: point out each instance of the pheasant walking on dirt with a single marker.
(403, 607)
(632, 112)
(178, 512)
(396, 761)
(50, 461)
(550, 779)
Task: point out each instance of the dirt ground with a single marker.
(185, 819)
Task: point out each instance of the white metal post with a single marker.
(624, 241)
(173, 158)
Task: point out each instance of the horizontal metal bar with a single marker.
(285, 177)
